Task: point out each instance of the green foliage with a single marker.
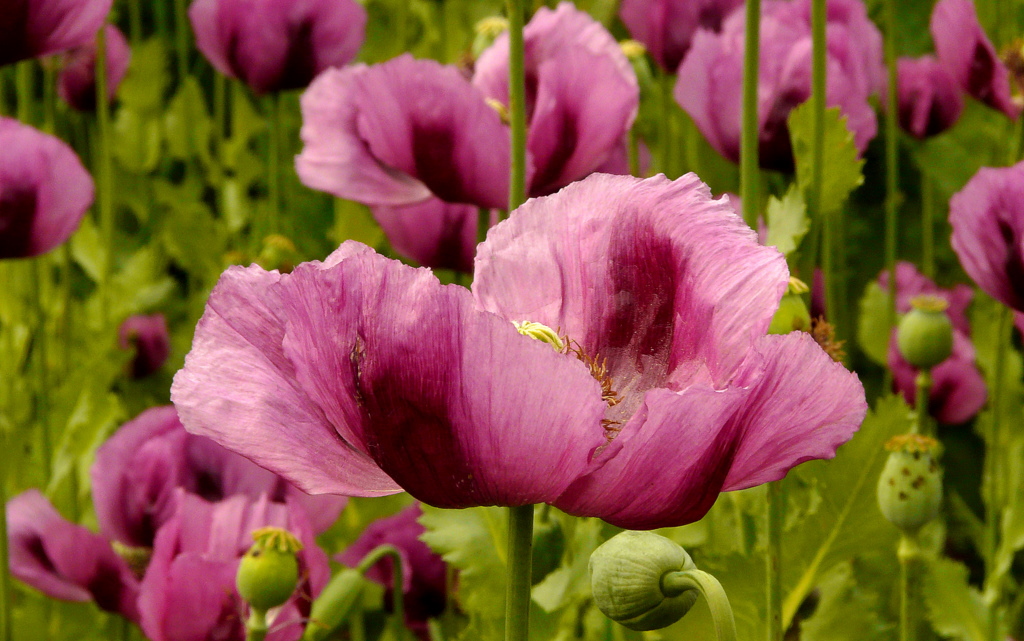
(845, 611)
(873, 329)
(787, 220)
(955, 609)
(842, 170)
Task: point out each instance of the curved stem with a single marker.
(891, 154)
(773, 561)
(675, 583)
(749, 165)
(397, 582)
(922, 420)
(520, 568)
(516, 104)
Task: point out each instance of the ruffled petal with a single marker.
(667, 27)
(449, 401)
(34, 28)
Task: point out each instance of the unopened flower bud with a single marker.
(269, 571)
(336, 601)
(792, 315)
(925, 335)
(626, 574)
(910, 488)
(548, 546)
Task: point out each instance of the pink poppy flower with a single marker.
(987, 217)
(147, 335)
(44, 191)
(274, 45)
(666, 27)
(362, 376)
(33, 28)
(958, 388)
(76, 84)
(581, 94)
(928, 97)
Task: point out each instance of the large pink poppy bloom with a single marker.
(362, 376)
(968, 54)
(987, 217)
(958, 389)
(710, 83)
(273, 45)
(33, 28)
(581, 94)
(667, 27)
(44, 191)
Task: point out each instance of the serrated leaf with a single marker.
(187, 123)
(844, 613)
(842, 166)
(873, 329)
(954, 607)
(89, 250)
(94, 416)
(787, 221)
(194, 239)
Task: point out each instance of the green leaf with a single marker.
(89, 250)
(188, 124)
(353, 221)
(195, 240)
(844, 613)
(954, 607)
(137, 140)
(787, 221)
(873, 329)
(842, 170)
(146, 82)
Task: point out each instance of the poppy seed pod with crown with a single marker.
(925, 335)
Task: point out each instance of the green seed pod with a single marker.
(910, 488)
(792, 315)
(332, 608)
(269, 572)
(548, 546)
(925, 334)
(626, 579)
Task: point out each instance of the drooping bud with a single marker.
(626, 573)
(269, 572)
(792, 314)
(332, 607)
(925, 335)
(541, 332)
(910, 488)
(548, 546)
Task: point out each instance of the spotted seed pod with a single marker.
(910, 488)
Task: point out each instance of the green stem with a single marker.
(927, 226)
(5, 573)
(104, 188)
(357, 627)
(675, 583)
(520, 567)
(23, 80)
(633, 151)
(773, 561)
(39, 362)
(397, 582)
(181, 29)
(910, 586)
(135, 21)
(668, 134)
(922, 421)
(818, 84)
(749, 164)
(49, 100)
(273, 111)
(891, 155)
(256, 626)
(994, 473)
(516, 103)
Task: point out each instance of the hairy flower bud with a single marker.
(268, 573)
(910, 488)
(792, 314)
(925, 335)
(626, 574)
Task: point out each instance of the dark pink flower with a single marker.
(423, 571)
(400, 132)
(274, 45)
(958, 388)
(44, 190)
(710, 80)
(76, 84)
(433, 233)
(581, 94)
(33, 28)
(666, 27)
(987, 217)
(147, 335)
(965, 50)
(188, 592)
(139, 470)
(64, 560)
(928, 97)
(362, 376)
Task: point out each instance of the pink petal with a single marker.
(433, 233)
(33, 28)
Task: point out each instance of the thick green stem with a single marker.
(397, 582)
(773, 561)
(927, 226)
(135, 22)
(922, 420)
(520, 568)
(749, 164)
(633, 151)
(40, 365)
(181, 31)
(910, 588)
(818, 84)
(516, 104)
(49, 100)
(995, 471)
(891, 155)
(23, 83)
(104, 187)
(675, 583)
(256, 626)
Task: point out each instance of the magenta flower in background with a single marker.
(275, 45)
(928, 97)
(33, 28)
(581, 94)
(987, 217)
(188, 592)
(76, 83)
(400, 132)
(958, 389)
(147, 335)
(710, 80)
(666, 27)
(423, 571)
(362, 376)
(64, 560)
(44, 190)
(968, 54)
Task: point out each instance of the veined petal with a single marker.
(451, 402)
(803, 407)
(433, 233)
